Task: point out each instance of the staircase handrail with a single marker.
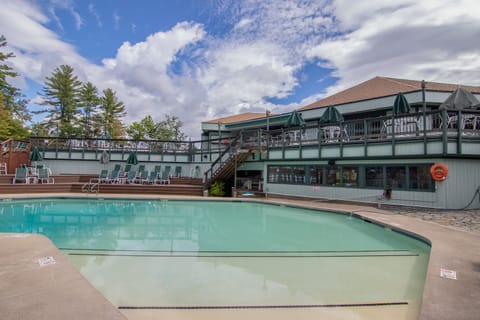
(232, 148)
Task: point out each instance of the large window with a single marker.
(398, 177)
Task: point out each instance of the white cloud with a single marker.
(93, 11)
(431, 40)
(116, 20)
(186, 72)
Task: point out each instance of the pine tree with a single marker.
(61, 94)
(13, 110)
(90, 102)
(112, 110)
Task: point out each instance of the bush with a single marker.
(217, 189)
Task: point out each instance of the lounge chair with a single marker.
(127, 169)
(141, 168)
(117, 167)
(167, 170)
(165, 177)
(102, 177)
(178, 171)
(158, 168)
(114, 177)
(131, 177)
(153, 177)
(44, 176)
(21, 175)
(143, 178)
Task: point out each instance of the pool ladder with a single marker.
(91, 187)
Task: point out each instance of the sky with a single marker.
(204, 59)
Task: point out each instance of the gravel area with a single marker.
(467, 220)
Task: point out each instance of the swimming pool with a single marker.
(160, 258)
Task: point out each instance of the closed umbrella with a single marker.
(295, 120)
(401, 105)
(104, 158)
(460, 99)
(331, 115)
(132, 158)
(35, 155)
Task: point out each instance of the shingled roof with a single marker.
(383, 87)
(238, 117)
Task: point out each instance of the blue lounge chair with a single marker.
(131, 177)
(153, 177)
(44, 176)
(143, 178)
(178, 171)
(165, 177)
(21, 175)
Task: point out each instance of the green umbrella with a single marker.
(331, 115)
(35, 155)
(401, 104)
(295, 120)
(460, 99)
(132, 158)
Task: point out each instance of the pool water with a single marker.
(153, 258)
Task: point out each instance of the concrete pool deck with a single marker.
(58, 291)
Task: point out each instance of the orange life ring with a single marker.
(439, 172)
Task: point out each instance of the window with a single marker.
(396, 177)
(400, 177)
(374, 177)
(420, 178)
(350, 176)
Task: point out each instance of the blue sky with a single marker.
(204, 59)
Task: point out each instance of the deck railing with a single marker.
(446, 124)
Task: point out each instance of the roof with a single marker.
(383, 87)
(238, 118)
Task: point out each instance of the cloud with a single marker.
(116, 20)
(431, 40)
(195, 74)
(93, 11)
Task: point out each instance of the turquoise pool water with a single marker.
(168, 254)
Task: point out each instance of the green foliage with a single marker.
(89, 101)
(166, 130)
(61, 95)
(217, 189)
(13, 110)
(111, 110)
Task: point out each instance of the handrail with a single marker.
(221, 159)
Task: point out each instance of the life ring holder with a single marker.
(439, 172)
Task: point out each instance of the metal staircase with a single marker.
(224, 167)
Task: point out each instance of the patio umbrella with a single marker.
(401, 104)
(104, 158)
(295, 120)
(132, 158)
(331, 114)
(35, 155)
(460, 99)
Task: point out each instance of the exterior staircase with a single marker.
(224, 167)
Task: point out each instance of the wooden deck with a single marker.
(74, 183)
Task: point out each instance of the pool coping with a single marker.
(443, 298)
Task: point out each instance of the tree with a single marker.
(61, 94)
(111, 111)
(169, 129)
(13, 110)
(143, 130)
(89, 101)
